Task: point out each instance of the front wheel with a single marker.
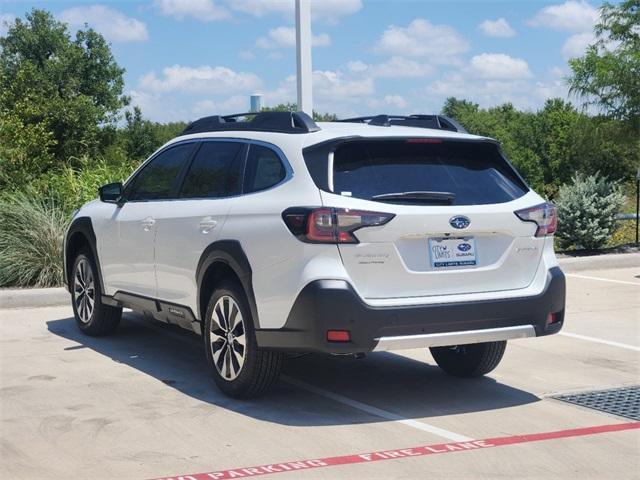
(92, 316)
(472, 360)
(240, 368)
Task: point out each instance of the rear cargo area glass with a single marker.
(475, 172)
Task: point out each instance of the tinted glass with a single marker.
(264, 169)
(215, 171)
(475, 173)
(158, 180)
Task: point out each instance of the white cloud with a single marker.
(497, 28)
(421, 38)
(498, 66)
(576, 45)
(115, 26)
(246, 55)
(571, 16)
(327, 10)
(333, 91)
(357, 66)
(203, 79)
(397, 101)
(233, 104)
(285, 37)
(205, 10)
(6, 19)
(394, 67)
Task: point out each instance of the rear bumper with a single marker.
(333, 305)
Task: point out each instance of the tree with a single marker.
(292, 107)
(608, 75)
(65, 89)
(142, 137)
(139, 141)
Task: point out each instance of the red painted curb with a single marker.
(403, 453)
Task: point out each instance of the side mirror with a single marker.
(111, 192)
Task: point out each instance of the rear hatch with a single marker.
(454, 229)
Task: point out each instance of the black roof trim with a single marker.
(280, 122)
(438, 122)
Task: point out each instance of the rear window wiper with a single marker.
(421, 196)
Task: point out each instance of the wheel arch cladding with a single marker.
(79, 236)
(224, 260)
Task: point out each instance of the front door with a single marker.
(127, 248)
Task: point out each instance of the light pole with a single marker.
(303, 55)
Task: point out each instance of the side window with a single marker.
(214, 172)
(158, 180)
(264, 169)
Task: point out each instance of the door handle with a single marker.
(148, 223)
(207, 224)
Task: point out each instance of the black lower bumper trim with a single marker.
(333, 305)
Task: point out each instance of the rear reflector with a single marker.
(338, 336)
(552, 318)
(544, 216)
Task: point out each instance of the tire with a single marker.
(472, 360)
(92, 316)
(245, 370)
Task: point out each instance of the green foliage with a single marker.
(56, 90)
(71, 187)
(31, 236)
(292, 107)
(608, 75)
(142, 137)
(551, 145)
(624, 233)
(586, 211)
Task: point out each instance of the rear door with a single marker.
(195, 219)
(454, 229)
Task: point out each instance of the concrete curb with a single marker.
(599, 262)
(34, 297)
(50, 297)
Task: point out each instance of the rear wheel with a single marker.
(240, 368)
(472, 360)
(92, 316)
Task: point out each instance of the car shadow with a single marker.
(396, 383)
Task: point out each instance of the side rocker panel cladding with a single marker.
(229, 252)
(80, 226)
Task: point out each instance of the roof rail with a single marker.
(438, 122)
(280, 122)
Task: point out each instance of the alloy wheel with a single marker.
(84, 292)
(227, 338)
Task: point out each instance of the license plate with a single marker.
(452, 252)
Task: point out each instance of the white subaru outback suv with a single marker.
(269, 234)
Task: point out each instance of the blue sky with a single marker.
(189, 58)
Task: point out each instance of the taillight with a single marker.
(544, 216)
(330, 225)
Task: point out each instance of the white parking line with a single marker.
(377, 412)
(602, 279)
(599, 340)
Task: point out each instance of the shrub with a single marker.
(70, 188)
(31, 235)
(586, 211)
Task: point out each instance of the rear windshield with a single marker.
(470, 173)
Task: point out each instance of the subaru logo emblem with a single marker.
(459, 222)
(464, 247)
